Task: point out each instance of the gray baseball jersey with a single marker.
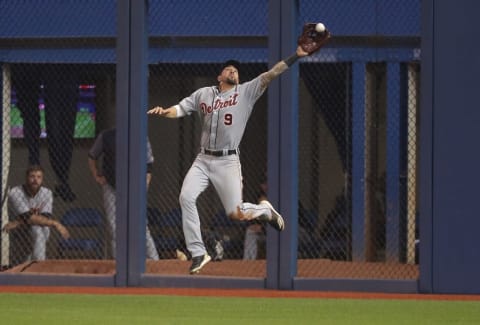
(21, 202)
(224, 115)
(105, 145)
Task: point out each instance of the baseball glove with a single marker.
(310, 40)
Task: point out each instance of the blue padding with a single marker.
(167, 243)
(173, 218)
(153, 215)
(93, 18)
(189, 18)
(82, 217)
(80, 244)
(53, 18)
(58, 55)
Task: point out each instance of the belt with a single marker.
(219, 153)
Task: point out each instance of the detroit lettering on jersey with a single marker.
(224, 115)
(219, 104)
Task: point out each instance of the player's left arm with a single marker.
(281, 67)
(170, 112)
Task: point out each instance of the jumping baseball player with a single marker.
(225, 110)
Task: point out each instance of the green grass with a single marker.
(155, 309)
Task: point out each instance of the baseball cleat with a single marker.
(276, 221)
(199, 262)
(181, 255)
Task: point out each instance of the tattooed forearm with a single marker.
(274, 72)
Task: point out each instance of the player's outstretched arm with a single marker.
(281, 66)
(170, 112)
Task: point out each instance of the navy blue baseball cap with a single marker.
(233, 63)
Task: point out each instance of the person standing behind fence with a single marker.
(57, 85)
(104, 147)
(31, 204)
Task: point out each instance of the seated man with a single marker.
(32, 204)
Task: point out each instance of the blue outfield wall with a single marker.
(450, 176)
(97, 20)
(371, 19)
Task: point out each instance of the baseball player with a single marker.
(224, 110)
(105, 145)
(31, 203)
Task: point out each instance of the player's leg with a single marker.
(250, 244)
(227, 180)
(195, 182)
(26, 81)
(109, 207)
(61, 103)
(151, 250)
(40, 236)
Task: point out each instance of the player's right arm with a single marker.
(185, 107)
(93, 155)
(9, 226)
(92, 165)
(170, 112)
(281, 67)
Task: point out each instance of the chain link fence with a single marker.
(58, 92)
(59, 97)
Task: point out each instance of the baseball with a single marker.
(320, 28)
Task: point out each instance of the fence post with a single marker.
(358, 161)
(131, 141)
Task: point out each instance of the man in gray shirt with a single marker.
(104, 147)
(31, 204)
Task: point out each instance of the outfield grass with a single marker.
(72, 309)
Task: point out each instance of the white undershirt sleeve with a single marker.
(180, 111)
